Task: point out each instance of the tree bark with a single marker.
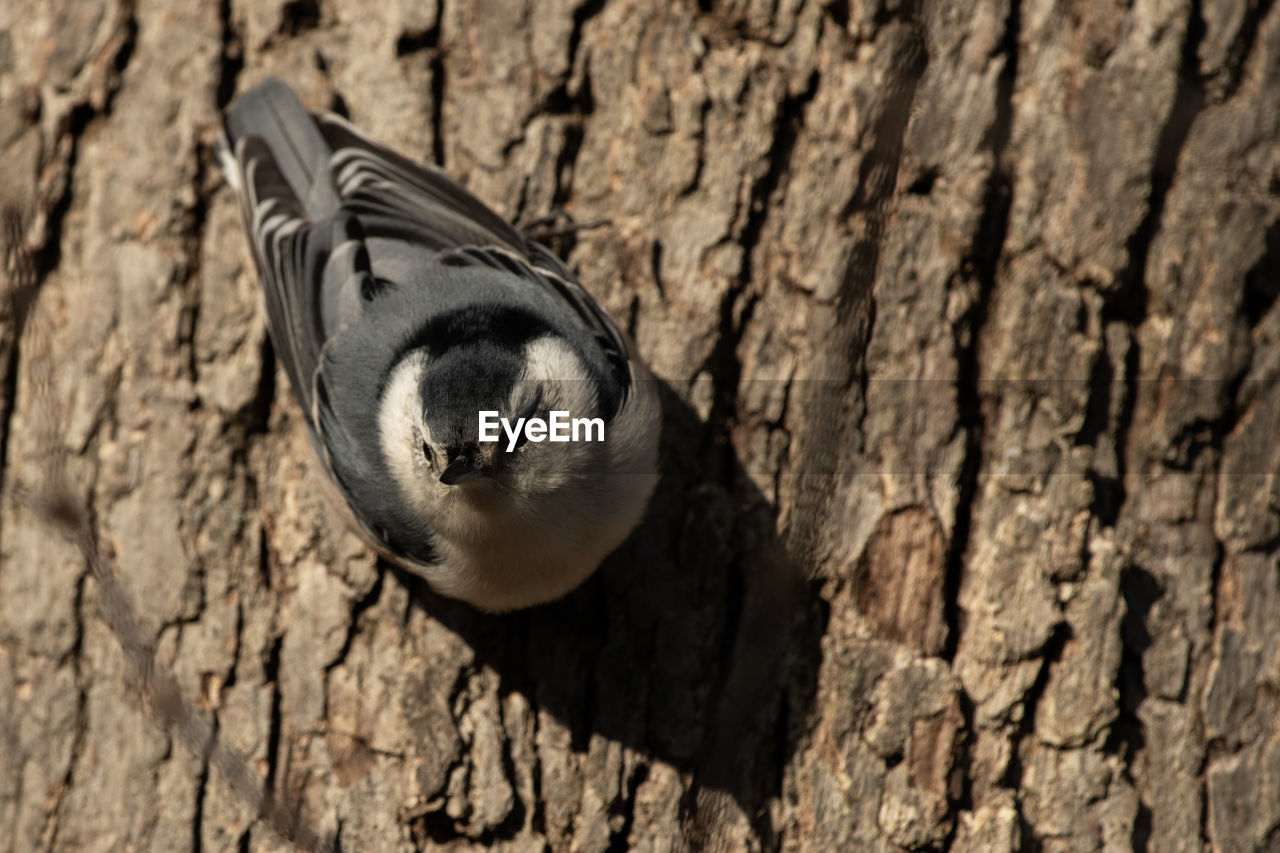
(969, 525)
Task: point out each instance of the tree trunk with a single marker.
(968, 532)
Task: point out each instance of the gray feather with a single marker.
(272, 112)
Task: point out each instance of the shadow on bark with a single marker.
(680, 646)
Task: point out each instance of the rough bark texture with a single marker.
(969, 532)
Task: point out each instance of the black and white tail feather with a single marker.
(373, 267)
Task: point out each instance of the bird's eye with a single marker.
(428, 454)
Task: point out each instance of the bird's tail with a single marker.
(272, 113)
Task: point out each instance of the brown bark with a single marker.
(969, 528)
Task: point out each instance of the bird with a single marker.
(402, 309)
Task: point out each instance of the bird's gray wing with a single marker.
(309, 250)
(317, 280)
(395, 196)
(305, 267)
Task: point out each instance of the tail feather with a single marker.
(273, 113)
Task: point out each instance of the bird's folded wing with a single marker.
(396, 197)
(300, 262)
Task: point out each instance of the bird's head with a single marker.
(489, 426)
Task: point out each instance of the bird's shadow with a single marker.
(691, 645)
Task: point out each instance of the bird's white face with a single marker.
(461, 483)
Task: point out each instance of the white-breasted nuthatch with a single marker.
(403, 308)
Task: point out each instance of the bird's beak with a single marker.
(460, 470)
